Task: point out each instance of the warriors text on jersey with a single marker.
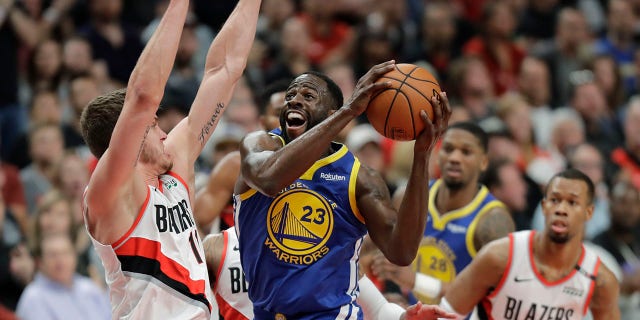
(231, 288)
(447, 246)
(304, 243)
(157, 269)
(523, 293)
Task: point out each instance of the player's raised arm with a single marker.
(398, 232)
(225, 62)
(114, 172)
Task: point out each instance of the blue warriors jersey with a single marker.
(300, 249)
(447, 246)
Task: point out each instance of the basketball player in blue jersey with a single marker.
(138, 201)
(542, 275)
(229, 286)
(463, 217)
(303, 203)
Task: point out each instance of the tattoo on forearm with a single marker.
(493, 226)
(207, 126)
(144, 138)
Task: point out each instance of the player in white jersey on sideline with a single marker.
(229, 286)
(545, 275)
(138, 202)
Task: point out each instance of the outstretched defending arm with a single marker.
(113, 175)
(226, 60)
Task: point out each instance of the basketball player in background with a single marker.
(542, 275)
(303, 204)
(215, 199)
(463, 217)
(230, 288)
(138, 201)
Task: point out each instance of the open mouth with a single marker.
(295, 120)
(559, 226)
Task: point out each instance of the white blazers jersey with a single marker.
(524, 294)
(157, 269)
(231, 287)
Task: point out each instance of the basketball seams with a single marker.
(396, 123)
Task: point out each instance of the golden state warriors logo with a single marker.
(435, 259)
(299, 223)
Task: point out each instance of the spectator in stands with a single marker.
(57, 292)
(112, 41)
(623, 243)
(46, 147)
(607, 75)
(534, 85)
(619, 39)
(505, 182)
(627, 157)
(563, 53)
(495, 47)
(439, 32)
(470, 82)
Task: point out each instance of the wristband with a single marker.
(427, 285)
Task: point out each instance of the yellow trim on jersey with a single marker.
(247, 194)
(279, 137)
(471, 231)
(308, 175)
(440, 222)
(352, 189)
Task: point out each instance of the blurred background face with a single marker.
(566, 208)
(589, 101)
(572, 29)
(438, 27)
(56, 219)
(46, 145)
(588, 159)
(518, 121)
(48, 59)
(632, 127)
(625, 199)
(567, 133)
(46, 108)
(106, 10)
(58, 260)
(461, 158)
(621, 18)
(501, 22)
(73, 176)
(187, 47)
(77, 56)
(513, 189)
(277, 11)
(295, 40)
(534, 81)
(82, 90)
(271, 119)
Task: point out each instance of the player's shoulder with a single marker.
(262, 140)
(496, 252)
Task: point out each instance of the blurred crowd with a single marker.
(555, 83)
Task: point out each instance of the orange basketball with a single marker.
(395, 111)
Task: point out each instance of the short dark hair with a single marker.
(334, 89)
(263, 98)
(574, 174)
(99, 118)
(475, 130)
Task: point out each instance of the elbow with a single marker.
(143, 95)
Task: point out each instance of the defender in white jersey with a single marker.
(137, 205)
(546, 275)
(230, 287)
